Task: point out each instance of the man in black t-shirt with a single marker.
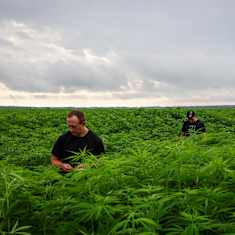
(78, 138)
(192, 123)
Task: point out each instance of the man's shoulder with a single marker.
(65, 135)
(92, 135)
(96, 142)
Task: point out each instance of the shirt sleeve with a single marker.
(58, 147)
(99, 147)
(201, 127)
(184, 127)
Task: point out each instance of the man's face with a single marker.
(74, 125)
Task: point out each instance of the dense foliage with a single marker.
(150, 181)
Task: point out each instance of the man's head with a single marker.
(76, 122)
(191, 116)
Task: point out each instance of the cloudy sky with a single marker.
(117, 53)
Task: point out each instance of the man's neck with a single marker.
(84, 131)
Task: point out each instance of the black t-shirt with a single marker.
(198, 127)
(68, 144)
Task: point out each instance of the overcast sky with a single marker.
(117, 53)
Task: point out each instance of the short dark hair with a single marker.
(80, 115)
(190, 114)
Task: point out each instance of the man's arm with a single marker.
(66, 167)
(201, 127)
(101, 147)
(56, 161)
(98, 147)
(56, 153)
(184, 129)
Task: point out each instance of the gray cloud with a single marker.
(147, 49)
(192, 70)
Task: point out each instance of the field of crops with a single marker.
(149, 181)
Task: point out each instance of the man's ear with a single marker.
(82, 123)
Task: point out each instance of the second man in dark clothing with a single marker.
(192, 124)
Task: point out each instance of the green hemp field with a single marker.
(149, 181)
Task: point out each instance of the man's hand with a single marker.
(66, 167)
